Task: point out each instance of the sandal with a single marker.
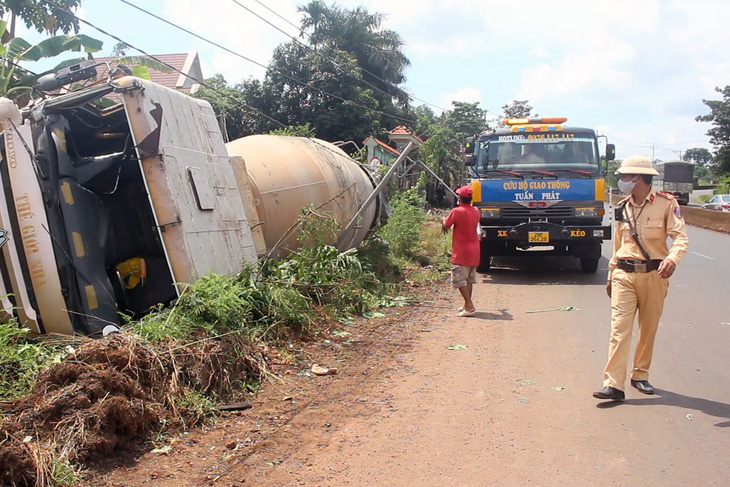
(464, 313)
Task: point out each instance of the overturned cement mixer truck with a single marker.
(108, 208)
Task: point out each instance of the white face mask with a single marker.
(626, 187)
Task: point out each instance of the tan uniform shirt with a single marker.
(655, 219)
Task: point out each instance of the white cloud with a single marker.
(639, 68)
(236, 29)
(540, 52)
(467, 94)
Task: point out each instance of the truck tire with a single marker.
(588, 265)
(484, 264)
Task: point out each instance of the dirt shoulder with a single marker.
(425, 398)
(292, 413)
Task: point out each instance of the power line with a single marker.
(290, 78)
(315, 52)
(280, 16)
(331, 48)
(10, 61)
(364, 70)
(201, 82)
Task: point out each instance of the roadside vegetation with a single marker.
(68, 400)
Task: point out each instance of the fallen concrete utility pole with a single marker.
(381, 185)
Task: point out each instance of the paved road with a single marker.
(512, 405)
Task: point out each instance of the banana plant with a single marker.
(14, 79)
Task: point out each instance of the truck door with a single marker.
(191, 186)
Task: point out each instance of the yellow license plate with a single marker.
(538, 237)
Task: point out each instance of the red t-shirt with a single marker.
(465, 240)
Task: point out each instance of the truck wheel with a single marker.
(484, 264)
(588, 265)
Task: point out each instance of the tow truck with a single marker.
(539, 186)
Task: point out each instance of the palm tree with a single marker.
(358, 32)
(314, 15)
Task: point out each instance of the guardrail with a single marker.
(718, 221)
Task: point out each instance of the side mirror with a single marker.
(610, 152)
(470, 160)
(469, 145)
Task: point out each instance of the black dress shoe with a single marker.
(643, 386)
(611, 393)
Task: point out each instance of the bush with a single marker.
(331, 278)
(723, 187)
(22, 357)
(402, 229)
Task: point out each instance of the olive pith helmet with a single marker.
(637, 165)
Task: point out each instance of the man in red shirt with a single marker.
(465, 252)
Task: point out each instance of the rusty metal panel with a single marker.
(172, 132)
(244, 187)
(289, 173)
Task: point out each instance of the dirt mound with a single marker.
(106, 395)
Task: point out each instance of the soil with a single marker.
(503, 398)
(292, 413)
(107, 397)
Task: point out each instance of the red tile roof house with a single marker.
(379, 152)
(386, 154)
(188, 63)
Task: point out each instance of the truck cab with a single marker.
(110, 197)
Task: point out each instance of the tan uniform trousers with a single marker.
(632, 291)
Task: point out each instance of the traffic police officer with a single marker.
(638, 273)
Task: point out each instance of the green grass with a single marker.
(22, 357)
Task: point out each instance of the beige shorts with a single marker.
(462, 275)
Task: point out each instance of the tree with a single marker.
(466, 119)
(610, 175)
(120, 49)
(440, 153)
(698, 155)
(426, 120)
(517, 109)
(328, 81)
(41, 15)
(720, 132)
(298, 131)
(314, 15)
(378, 52)
(230, 105)
(345, 87)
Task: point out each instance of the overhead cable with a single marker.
(201, 82)
(290, 78)
(389, 83)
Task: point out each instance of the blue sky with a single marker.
(634, 70)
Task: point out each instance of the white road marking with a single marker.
(702, 255)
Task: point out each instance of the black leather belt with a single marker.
(630, 265)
